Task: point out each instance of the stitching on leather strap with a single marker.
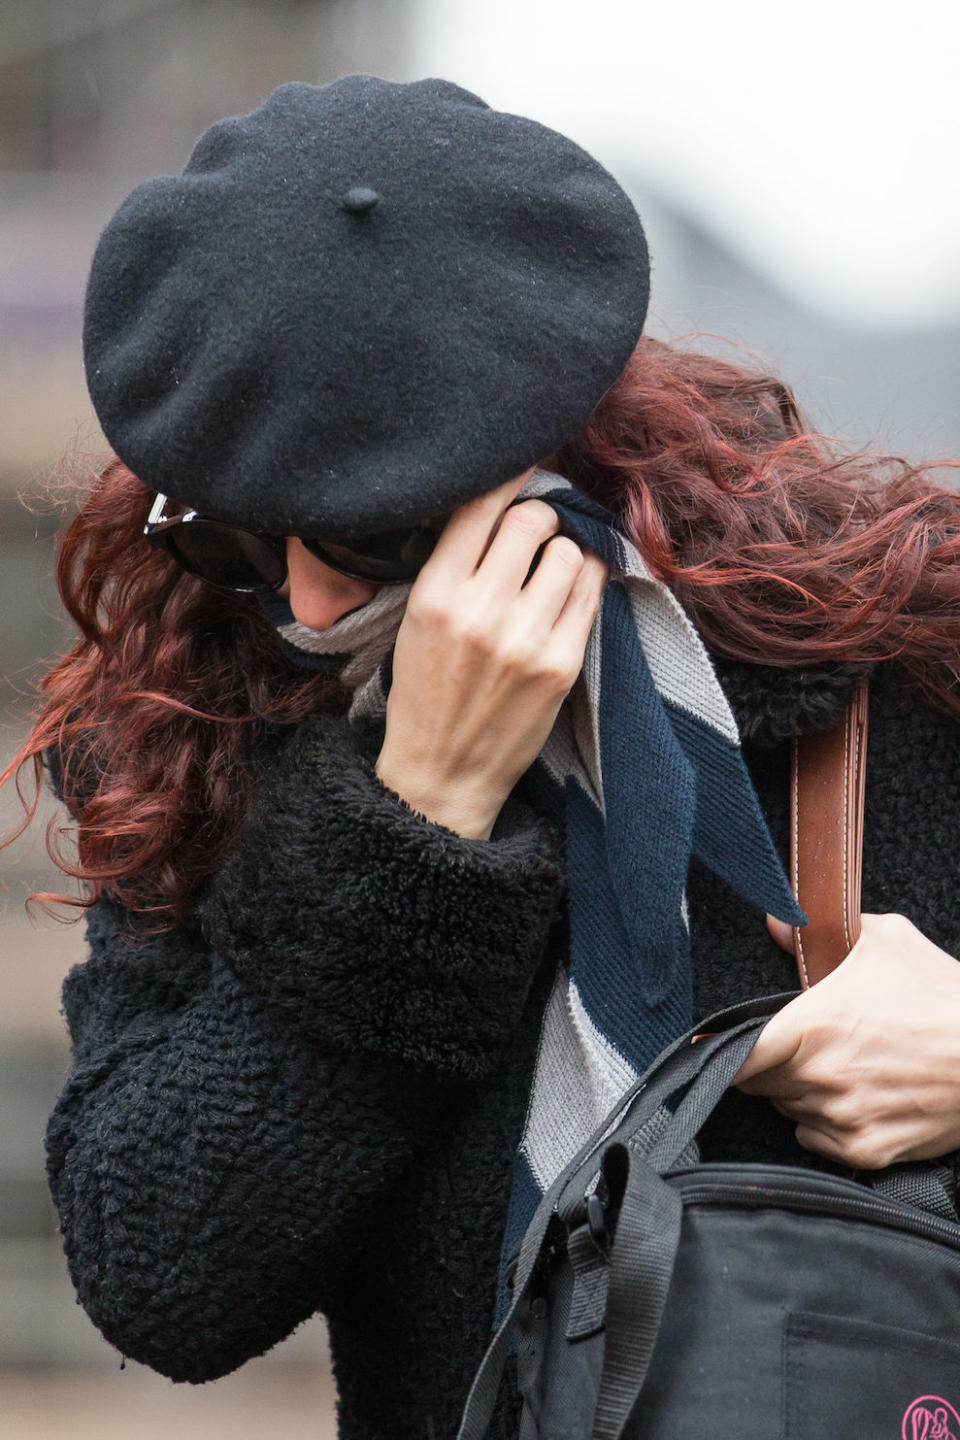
(798, 932)
(846, 824)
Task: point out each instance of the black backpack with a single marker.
(657, 1297)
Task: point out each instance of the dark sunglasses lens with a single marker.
(233, 559)
(390, 555)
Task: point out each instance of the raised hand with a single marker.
(483, 660)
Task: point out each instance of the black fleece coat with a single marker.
(309, 1096)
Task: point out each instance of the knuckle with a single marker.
(866, 1152)
(532, 517)
(567, 551)
(841, 1112)
(517, 657)
(427, 607)
(557, 674)
(473, 634)
(557, 686)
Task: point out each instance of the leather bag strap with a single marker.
(827, 786)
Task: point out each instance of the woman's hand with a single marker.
(483, 661)
(867, 1061)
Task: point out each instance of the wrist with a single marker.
(472, 818)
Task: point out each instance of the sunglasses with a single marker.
(232, 558)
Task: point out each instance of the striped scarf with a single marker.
(641, 769)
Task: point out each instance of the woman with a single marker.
(330, 886)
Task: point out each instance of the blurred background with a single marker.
(796, 172)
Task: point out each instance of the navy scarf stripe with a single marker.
(730, 835)
(648, 838)
(637, 1026)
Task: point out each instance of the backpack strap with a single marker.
(827, 786)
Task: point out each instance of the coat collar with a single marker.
(771, 704)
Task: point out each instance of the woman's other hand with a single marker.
(867, 1061)
(484, 661)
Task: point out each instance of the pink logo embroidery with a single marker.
(930, 1418)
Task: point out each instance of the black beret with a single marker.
(360, 304)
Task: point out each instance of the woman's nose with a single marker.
(317, 594)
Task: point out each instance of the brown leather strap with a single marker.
(828, 773)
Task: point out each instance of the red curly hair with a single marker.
(782, 550)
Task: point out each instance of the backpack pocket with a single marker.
(863, 1381)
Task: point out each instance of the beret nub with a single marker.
(246, 355)
(359, 199)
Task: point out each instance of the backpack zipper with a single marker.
(756, 1186)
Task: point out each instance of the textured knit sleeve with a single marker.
(221, 1144)
(211, 1170)
(373, 928)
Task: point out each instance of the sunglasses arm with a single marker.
(158, 521)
